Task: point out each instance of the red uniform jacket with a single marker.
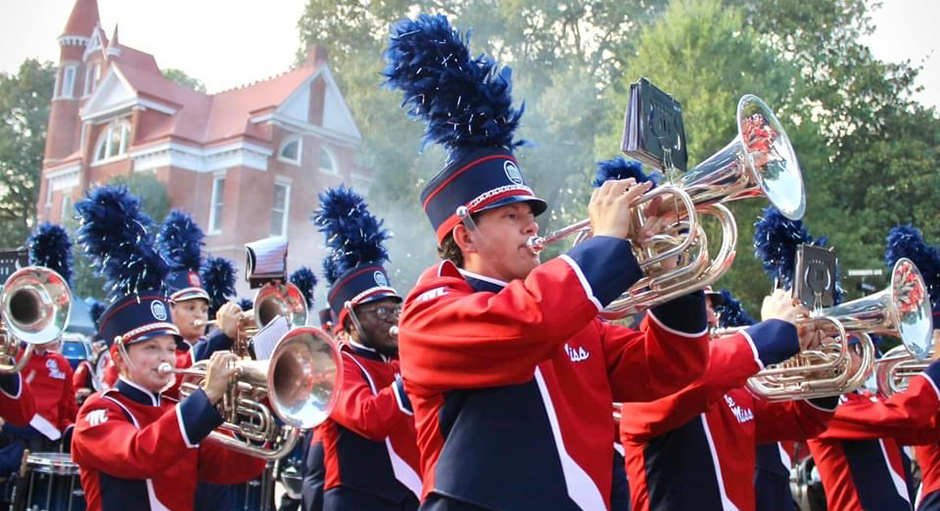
(17, 405)
(369, 441)
(50, 378)
(860, 456)
(696, 449)
(512, 383)
(83, 376)
(137, 450)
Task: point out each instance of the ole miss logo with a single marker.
(158, 310)
(512, 172)
(194, 279)
(380, 279)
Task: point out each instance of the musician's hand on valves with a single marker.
(228, 317)
(781, 305)
(611, 205)
(219, 373)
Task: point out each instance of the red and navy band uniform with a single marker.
(136, 447)
(369, 444)
(83, 376)
(17, 405)
(928, 457)
(861, 458)
(696, 449)
(314, 473)
(49, 375)
(512, 384)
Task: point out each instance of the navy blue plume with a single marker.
(95, 311)
(331, 270)
(218, 279)
(621, 168)
(304, 279)
(180, 241)
(51, 247)
(118, 237)
(465, 101)
(354, 236)
(907, 241)
(731, 312)
(245, 304)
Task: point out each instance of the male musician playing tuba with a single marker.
(509, 369)
(134, 447)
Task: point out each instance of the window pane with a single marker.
(326, 162)
(277, 223)
(103, 148)
(290, 150)
(68, 80)
(114, 145)
(280, 197)
(215, 214)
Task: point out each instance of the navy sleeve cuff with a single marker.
(197, 417)
(828, 404)
(217, 341)
(774, 341)
(10, 384)
(606, 267)
(684, 315)
(404, 404)
(933, 374)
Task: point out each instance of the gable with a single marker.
(337, 119)
(113, 96)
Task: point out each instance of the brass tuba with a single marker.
(298, 385)
(759, 161)
(34, 308)
(900, 310)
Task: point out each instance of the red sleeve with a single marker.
(903, 416)
(372, 415)
(731, 362)
(80, 378)
(657, 360)
(789, 420)
(220, 465)
(453, 337)
(17, 405)
(106, 440)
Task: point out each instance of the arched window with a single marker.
(113, 141)
(290, 150)
(327, 163)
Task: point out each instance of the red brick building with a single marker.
(246, 163)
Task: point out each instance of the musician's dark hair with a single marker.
(449, 249)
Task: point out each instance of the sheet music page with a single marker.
(265, 341)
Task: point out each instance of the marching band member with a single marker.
(510, 370)
(47, 372)
(132, 444)
(17, 405)
(314, 470)
(696, 448)
(860, 457)
(369, 446)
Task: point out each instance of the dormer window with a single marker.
(290, 151)
(113, 141)
(92, 74)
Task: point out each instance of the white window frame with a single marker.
(104, 139)
(67, 92)
(300, 150)
(49, 193)
(66, 202)
(89, 79)
(329, 154)
(285, 220)
(213, 228)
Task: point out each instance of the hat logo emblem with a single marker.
(512, 172)
(380, 279)
(194, 279)
(158, 310)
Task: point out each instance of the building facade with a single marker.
(246, 163)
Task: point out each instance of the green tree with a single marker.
(153, 197)
(24, 113)
(179, 76)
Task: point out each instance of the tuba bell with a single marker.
(34, 308)
(900, 310)
(759, 161)
(297, 385)
(893, 371)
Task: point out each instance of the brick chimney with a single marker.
(317, 56)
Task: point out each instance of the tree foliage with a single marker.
(24, 112)
(179, 76)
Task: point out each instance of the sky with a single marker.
(228, 43)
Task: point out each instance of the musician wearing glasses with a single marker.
(695, 449)
(369, 451)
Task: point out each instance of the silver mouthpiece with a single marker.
(393, 331)
(165, 368)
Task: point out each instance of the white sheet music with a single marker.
(265, 341)
(267, 257)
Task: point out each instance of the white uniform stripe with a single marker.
(726, 503)
(898, 479)
(581, 488)
(402, 470)
(584, 282)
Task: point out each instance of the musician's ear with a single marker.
(463, 239)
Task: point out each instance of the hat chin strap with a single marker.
(463, 213)
(355, 321)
